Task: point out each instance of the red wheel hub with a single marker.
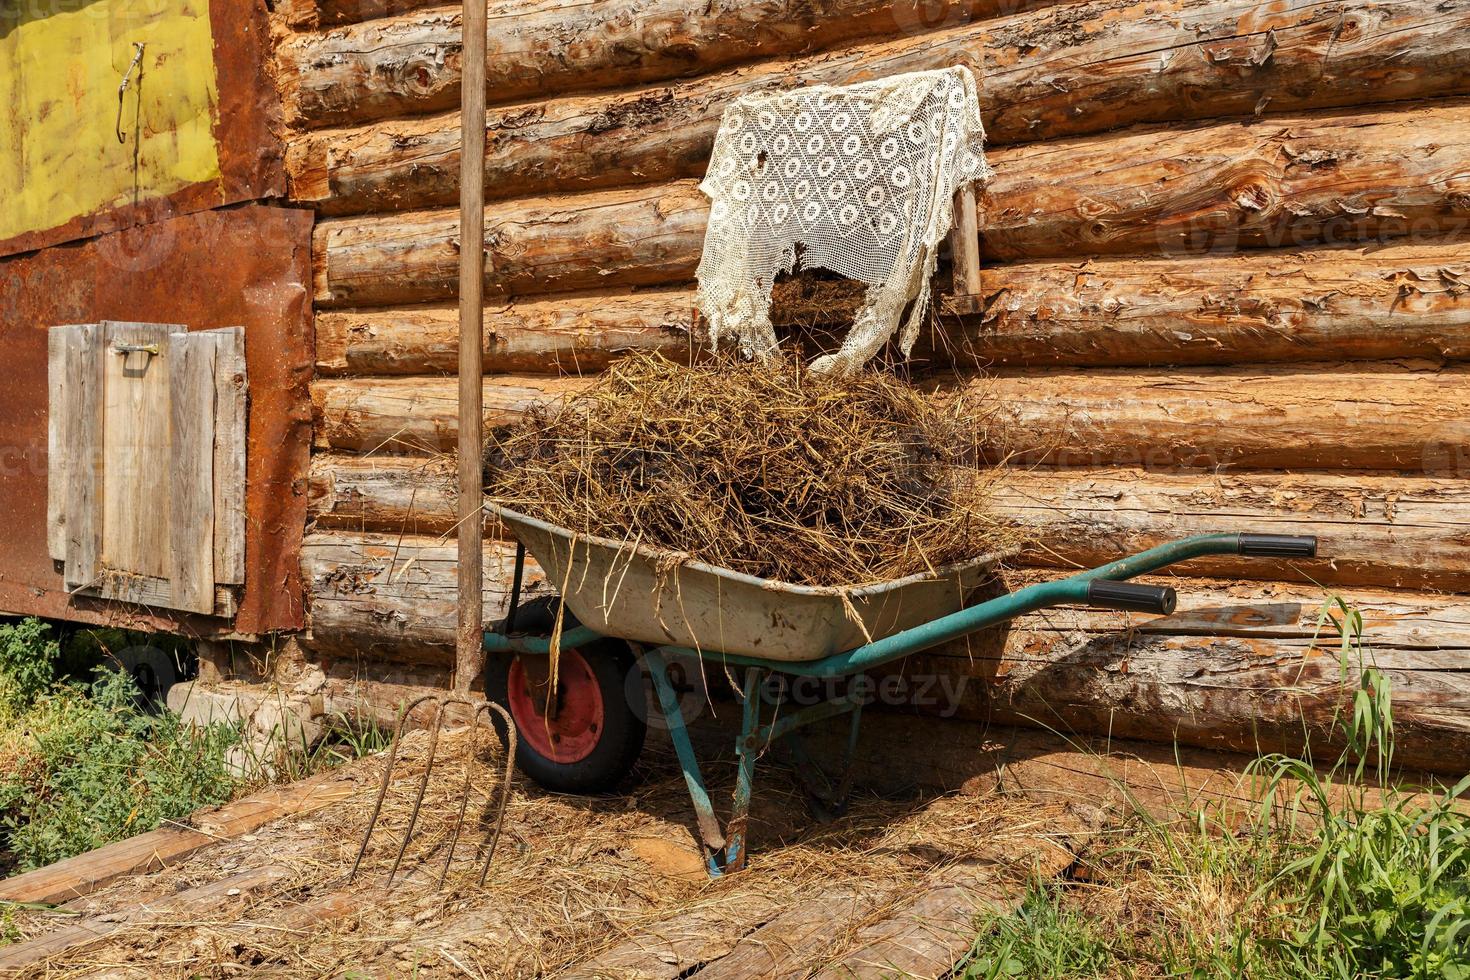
(566, 727)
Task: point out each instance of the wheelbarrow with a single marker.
(581, 726)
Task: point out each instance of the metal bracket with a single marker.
(125, 349)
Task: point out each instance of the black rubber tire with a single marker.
(623, 730)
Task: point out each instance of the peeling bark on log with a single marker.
(1072, 70)
(413, 415)
(1362, 303)
(1084, 671)
(638, 237)
(1375, 530)
(394, 596)
(1374, 417)
(1385, 531)
(412, 64)
(1272, 306)
(1236, 665)
(1273, 182)
(1293, 181)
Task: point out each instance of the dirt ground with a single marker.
(612, 886)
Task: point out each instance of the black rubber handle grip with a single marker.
(1278, 545)
(1132, 598)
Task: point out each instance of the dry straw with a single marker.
(774, 471)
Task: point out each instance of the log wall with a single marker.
(1225, 288)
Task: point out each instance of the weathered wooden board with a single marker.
(230, 402)
(85, 873)
(190, 417)
(1380, 416)
(1376, 530)
(134, 450)
(412, 63)
(187, 905)
(73, 496)
(1076, 69)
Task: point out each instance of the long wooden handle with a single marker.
(469, 653)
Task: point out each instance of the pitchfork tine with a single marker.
(443, 705)
(418, 801)
(510, 768)
(383, 786)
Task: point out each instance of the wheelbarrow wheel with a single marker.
(585, 736)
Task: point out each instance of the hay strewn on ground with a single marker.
(773, 471)
(573, 877)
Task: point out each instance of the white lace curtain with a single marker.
(859, 180)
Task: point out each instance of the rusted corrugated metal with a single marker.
(247, 266)
(244, 118)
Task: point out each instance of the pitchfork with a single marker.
(443, 703)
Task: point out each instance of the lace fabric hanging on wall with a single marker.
(859, 180)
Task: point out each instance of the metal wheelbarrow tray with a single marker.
(661, 598)
(582, 725)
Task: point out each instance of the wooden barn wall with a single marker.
(1226, 282)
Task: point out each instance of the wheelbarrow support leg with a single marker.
(704, 809)
(747, 750)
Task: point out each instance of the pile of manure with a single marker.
(771, 470)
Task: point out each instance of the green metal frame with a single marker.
(726, 851)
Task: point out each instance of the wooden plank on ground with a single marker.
(86, 873)
(184, 907)
(928, 932)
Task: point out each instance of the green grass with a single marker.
(85, 762)
(1329, 877)
(82, 764)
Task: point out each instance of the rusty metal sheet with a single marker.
(247, 266)
(226, 63)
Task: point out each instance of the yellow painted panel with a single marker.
(59, 75)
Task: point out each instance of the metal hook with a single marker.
(123, 88)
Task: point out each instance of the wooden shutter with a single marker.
(147, 463)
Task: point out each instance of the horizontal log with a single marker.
(1385, 531)
(1300, 180)
(1256, 307)
(1255, 677)
(311, 15)
(568, 334)
(1272, 305)
(1272, 182)
(639, 237)
(412, 64)
(1372, 416)
(1072, 70)
(412, 415)
(1278, 683)
(396, 595)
